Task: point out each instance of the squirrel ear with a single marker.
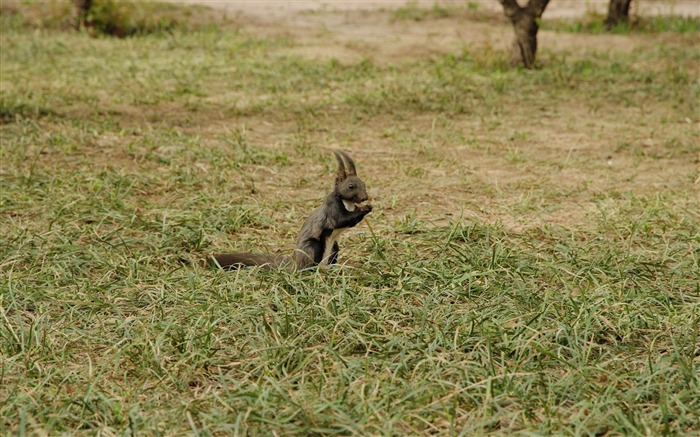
(349, 164)
(341, 175)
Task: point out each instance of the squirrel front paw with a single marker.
(366, 208)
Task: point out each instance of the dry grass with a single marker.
(531, 265)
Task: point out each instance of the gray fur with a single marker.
(318, 238)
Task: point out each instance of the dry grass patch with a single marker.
(530, 265)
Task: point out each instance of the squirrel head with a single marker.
(348, 186)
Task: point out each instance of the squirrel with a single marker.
(317, 243)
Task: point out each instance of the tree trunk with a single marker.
(525, 42)
(83, 7)
(525, 25)
(618, 12)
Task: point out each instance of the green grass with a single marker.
(121, 18)
(595, 24)
(413, 12)
(121, 157)
(469, 11)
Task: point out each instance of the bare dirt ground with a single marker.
(592, 163)
(274, 9)
(353, 30)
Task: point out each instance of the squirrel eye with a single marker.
(351, 186)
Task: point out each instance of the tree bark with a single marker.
(524, 20)
(618, 12)
(83, 7)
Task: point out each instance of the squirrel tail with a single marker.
(233, 261)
